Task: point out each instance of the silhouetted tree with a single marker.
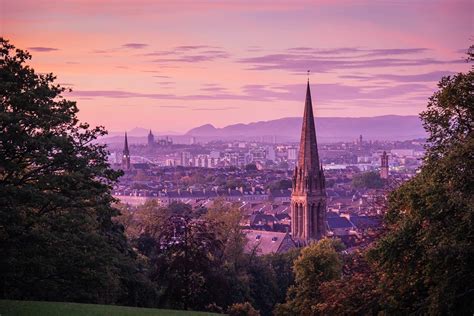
(184, 262)
(57, 237)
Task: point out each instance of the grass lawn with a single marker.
(32, 308)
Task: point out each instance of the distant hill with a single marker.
(328, 129)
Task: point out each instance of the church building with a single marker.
(308, 198)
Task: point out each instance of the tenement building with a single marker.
(308, 198)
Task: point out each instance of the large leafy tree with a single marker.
(185, 261)
(427, 256)
(318, 263)
(57, 237)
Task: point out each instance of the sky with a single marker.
(174, 65)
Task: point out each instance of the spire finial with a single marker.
(308, 72)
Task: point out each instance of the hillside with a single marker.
(329, 129)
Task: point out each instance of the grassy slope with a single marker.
(27, 308)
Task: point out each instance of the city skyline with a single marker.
(167, 66)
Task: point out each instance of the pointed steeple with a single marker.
(308, 197)
(125, 147)
(126, 155)
(151, 139)
(308, 158)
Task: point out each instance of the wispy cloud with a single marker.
(195, 58)
(299, 59)
(189, 54)
(216, 109)
(42, 49)
(265, 93)
(135, 45)
(424, 77)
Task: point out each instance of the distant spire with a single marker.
(308, 156)
(125, 147)
(151, 139)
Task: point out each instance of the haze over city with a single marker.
(174, 65)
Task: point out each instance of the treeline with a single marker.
(195, 259)
(63, 238)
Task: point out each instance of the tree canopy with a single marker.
(367, 180)
(57, 237)
(428, 253)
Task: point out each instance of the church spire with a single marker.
(308, 197)
(125, 146)
(308, 158)
(126, 155)
(151, 139)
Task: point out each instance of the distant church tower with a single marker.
(126, 155)
(384, 166)
(151, 139)
(308, 198)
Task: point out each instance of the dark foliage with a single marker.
(367, 180)
(57, 237)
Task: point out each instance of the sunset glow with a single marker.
(174, 65)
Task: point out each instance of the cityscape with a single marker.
(241, 158)
(257, 177)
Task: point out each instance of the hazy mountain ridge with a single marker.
(388, 127)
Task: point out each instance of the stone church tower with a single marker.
(308, 198)
(384, 166)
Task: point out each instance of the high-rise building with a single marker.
(126, 155)
(151, 139)
(308, 198)
(291, 153)
(384, 166)
(185, 158)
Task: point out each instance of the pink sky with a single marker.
(174, 65)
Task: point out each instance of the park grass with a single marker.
(33, 308)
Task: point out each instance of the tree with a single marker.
(184, 263)
(428, 253)
(283, 184)
(449, 116)
(318, 263)
(242, 309)
(355, 293)
(57, 237)
(367, 180)
(226, 219)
